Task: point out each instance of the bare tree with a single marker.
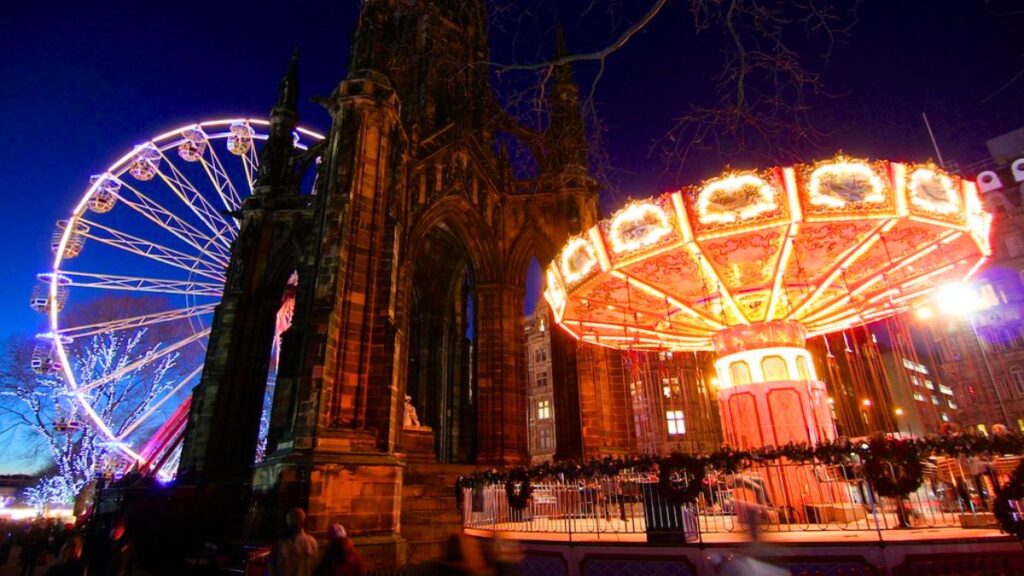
(772, 53)
(41, 407)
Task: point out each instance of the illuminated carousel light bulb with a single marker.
(735, 198)
(837, 184)
(578, 259)
(933, 191)
(638, 226)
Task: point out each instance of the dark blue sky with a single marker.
(82, 82)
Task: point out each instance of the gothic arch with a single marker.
(531, 243)
(466, 224)
(286, 260)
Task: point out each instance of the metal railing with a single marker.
(769, 497)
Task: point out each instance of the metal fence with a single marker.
(769, 497)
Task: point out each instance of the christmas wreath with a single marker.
(690, 468)
(893, 467)
(1009, 519)
(517, 488)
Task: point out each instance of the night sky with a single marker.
(83, 82)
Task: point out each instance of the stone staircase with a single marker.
(429, 512)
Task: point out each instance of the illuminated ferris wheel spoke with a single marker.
(250, 162)
(152, 250)
(139, 321)
(147, 359)
(221, 182)
(195, 201)
(140, 284)
(164, 218)
(141, 419)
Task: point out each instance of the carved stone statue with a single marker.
(411, 420)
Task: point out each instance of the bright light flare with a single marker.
(924, 313)
(957, 298)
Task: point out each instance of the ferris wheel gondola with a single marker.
(156, 225)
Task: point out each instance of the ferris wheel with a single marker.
(143, 257)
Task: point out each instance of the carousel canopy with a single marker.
(807, 248)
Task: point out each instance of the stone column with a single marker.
(501, 384)
(337, 416)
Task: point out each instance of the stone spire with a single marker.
(288, 90)
(431, 53)
(276, 158)
(566, 136)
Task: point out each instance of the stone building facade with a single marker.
(540, 420)
(981, 350)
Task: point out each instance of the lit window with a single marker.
(739, 373)
(774, 368)
(676, 422)
(945, 417)
(543, 409)
(919, 396)
(952, 404)
(935, 400)
(670, 387)
(983, 429)
(1020, 424)
(929, 385)
(945, 389)
(910, 364)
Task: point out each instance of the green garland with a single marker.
(518, 489)
(893, 467)
(874, 454)
(1010, 521)
(691, 468)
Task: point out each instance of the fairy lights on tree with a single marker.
(123, 390)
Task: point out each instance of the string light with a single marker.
(578, 260)
(736, 197)
(638, 226)
(837, 184)
(933, 192)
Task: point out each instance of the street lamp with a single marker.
(899, 415)
(959, 299)
(868, 420)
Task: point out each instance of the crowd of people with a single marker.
(297, 554)
(50, 547)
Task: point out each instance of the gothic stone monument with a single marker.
(411, 257)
